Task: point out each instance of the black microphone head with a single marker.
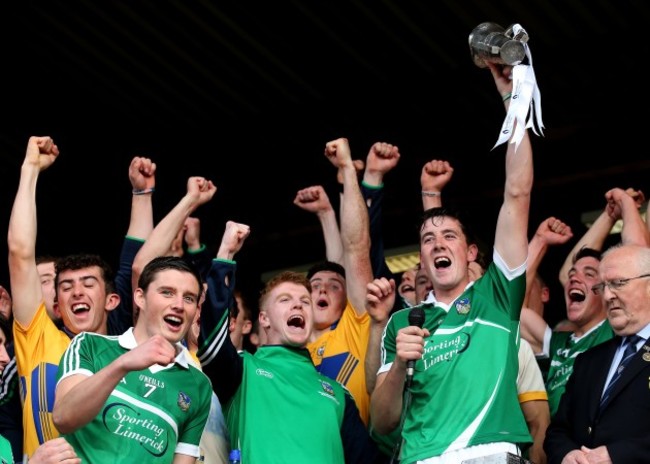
(416, 316)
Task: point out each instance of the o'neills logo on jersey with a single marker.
(264, 373)
(122, 420)
(151, 381)
(444, 350)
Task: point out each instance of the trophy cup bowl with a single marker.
(491, 42)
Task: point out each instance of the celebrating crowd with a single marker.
(167, 359)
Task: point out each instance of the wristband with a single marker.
(430, 194)
(143, 191)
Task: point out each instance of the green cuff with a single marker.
(201, 248)
(372, 187)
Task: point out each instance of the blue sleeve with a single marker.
(374, 198)
(121, 318)
(218, 356)
(358, 446)
(201, 259)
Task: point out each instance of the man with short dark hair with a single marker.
(141, 394)
(463, 390)
(86, 296)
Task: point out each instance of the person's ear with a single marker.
(264, 320)
(56, 310)
(138, 300)
(112, 301)
(546, 295)
(472, 252)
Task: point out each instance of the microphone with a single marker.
(416, 317)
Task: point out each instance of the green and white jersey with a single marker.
(564, 347)
(464, 390)
(151, 414)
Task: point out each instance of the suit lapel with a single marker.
(631, 371)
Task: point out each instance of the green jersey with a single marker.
(464, 390)
(151, 414)
(6, 455)
(281, 383)
(564, 347)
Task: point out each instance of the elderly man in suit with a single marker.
(604, 416)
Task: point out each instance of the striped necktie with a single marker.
(630, 350)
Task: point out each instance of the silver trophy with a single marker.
(491, 42)
(499, 458)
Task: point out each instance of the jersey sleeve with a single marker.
(530, 384)
(190, 437)
(218, 356)
(388, 346)
(77, 358)
(121, 318)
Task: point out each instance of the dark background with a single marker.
(248, 93)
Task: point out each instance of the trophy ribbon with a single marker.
(525, 104)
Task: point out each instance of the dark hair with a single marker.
(330, 266)
(83, 261)
(286, 276)
(247, 305)
(432, 214)
(586, 252)
(5, 326)
(46, 259)
(163, 263)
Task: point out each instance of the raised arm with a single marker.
(142, 175)
(551, 231)
(597, 234)
(511, 237)
(232, 240)
(625, 204)
(381, 159)
(380, 298)
(21, 237)
(314, 199)
(355, 237)
(199, 192)
(217, 353)
(435, 175)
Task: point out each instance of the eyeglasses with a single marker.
(615, 284)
